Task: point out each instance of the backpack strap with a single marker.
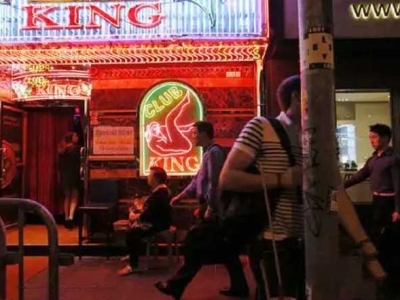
(284, 139)
(215, 145)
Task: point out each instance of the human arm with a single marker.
(189, 191)
(360, 176)
(234, 176)
(213, 165)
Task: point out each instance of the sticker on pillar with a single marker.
(167, 114)
(318, 47)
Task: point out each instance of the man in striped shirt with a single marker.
(259, 141)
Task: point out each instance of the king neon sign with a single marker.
(40, 17)
(39, 21)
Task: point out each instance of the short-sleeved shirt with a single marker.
(259, 139)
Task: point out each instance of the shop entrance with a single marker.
(54, 139)
(34, 163)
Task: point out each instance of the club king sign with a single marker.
(167, 114)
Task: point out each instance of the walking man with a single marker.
(204, 242)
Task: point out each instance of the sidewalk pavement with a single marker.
(95, 278)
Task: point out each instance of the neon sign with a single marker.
(167, 114)
(32, 21)
(51, 84)
(367, 11)
(37, 17)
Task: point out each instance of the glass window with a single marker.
(355, 112)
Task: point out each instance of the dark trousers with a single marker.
(383, 208)
(133, 240)
(292, 265)
(205, 244)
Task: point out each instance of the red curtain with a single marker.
(46, 128)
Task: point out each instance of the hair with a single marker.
(285, 90)
(68, 137)
(206, 127)
(159, 174)
(382, 130)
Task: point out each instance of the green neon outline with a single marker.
(147, 97)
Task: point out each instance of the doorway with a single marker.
(47, 125)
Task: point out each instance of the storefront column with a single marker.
(395, 111)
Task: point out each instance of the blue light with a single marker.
(184, 19)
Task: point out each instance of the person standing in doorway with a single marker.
(382, 168)
(69, 170)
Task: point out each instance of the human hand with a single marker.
(133, 216)
(395, 216)
(196, 213)
(292, 177)
(175, 200)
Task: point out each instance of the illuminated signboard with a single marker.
(167, 113)
(353, 19)
(42, 82)
(377, 11)
(27, 21)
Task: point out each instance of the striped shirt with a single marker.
(259, 139)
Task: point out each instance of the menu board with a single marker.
(113, 140)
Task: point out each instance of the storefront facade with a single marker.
(366, 64)
(137, 69)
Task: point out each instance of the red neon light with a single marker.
(167, 114)
(74, 17)
(96, 11)
(124, 53)
(171, 138)
(37, 17)
(156, 19)
(35, 14)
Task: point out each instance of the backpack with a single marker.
(245, 207)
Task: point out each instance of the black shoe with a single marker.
(67, 224)
(163, 288)
(241, 293)
(71, 224)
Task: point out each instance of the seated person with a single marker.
(154, 217)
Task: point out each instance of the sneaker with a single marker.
(124, 258)
(128, 270)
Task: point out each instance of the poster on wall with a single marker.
(167, 114)
(113, 140)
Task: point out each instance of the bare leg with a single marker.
(351, 223)
(67, 201)
(73, 203)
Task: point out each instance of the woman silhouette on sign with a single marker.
(170, 139)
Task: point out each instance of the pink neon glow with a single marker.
(170, 138)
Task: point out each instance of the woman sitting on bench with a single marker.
(155, 217)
